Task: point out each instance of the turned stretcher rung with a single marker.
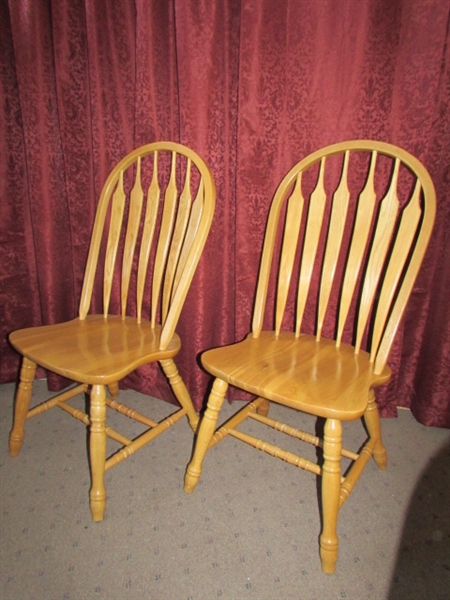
(232, 423)
(356, 470)
(84, 418)
(277, 452)
(130, 412)
(144, 439)
(303, 436)
(37, 410)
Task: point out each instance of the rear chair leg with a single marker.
(372, 420)
(205, 432)
(22, 405)
(263, 408)
(113, 389)
(97, 454)
(180, 391)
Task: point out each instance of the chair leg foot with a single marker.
(205, 433)
(22, 405)
(331, 485)
(191, 479)
(380, 459)
(97, 508)
(372, 420)
(328, 558)
(97, 445)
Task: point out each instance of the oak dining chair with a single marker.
(346, 234)
(151, 224)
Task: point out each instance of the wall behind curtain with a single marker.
(253, 86)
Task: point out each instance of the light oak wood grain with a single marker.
(330, 376)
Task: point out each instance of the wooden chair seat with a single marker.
(96, 350)
(303, 373)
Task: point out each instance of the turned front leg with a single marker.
(205, 432)
(22, 405)
(331, 486)
(372, 420)
(97, 446)
(180, 391)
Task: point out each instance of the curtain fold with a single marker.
(252, 86)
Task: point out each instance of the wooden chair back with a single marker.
(152, 221)
(346, 234)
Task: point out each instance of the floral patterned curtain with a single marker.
(253, 86)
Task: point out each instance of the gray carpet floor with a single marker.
(249, 531)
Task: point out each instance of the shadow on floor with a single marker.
(422, 568)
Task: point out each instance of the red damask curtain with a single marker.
(253, 86)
